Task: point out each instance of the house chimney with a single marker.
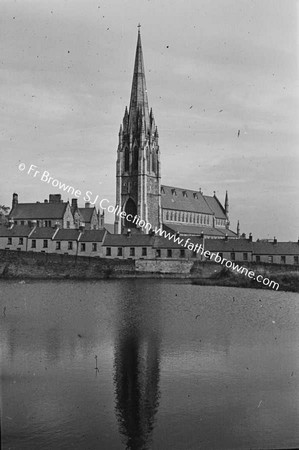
(238, 229)
(55, 198)
(226, 237)
(250, 237)
(87, 205)
(15, 200)
(82, 226)
(129, 232)
(74, 204)
(45, 201)
(274, 241)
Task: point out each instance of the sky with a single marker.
(212, 68)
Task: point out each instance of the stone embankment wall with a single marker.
(14, 264)
(43, 265)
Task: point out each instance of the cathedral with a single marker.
(138, 176)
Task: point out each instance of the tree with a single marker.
(3, 214)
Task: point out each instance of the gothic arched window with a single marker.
(127, 159)
(135, 158)
(153, 162)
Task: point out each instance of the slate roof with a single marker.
(43, 233)
(184, 200)
(92, 236)
(67, 235)
(215, 206)
(231, 245)
(15, 231)
(281, 248)
(86, 214)
(38, 211)
(121, 240)
(196, 230)
(162, 242)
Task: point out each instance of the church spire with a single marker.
(226, 204)
(139, 101)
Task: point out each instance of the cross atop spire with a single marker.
(139, 101)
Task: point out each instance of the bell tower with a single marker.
(138, 169)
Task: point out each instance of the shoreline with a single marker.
(20, 266)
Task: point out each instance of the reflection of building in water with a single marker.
(136, 379)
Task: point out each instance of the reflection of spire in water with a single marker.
(136, 380)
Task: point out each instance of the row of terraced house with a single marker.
(102, 244)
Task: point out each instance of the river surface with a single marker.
(148, 364)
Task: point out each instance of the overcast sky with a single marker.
(213, 67)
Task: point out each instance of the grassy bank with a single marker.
(287, 280)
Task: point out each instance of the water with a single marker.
(179, 366)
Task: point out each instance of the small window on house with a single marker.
(21, 241)
(144, 251)
(232, 256)
(45, 244)
(245, 256)
(70, 245)
(94, 247)
(169, 253)
(132, 251)
(108, 251)
(68, 224)
(167, 215)
(58, 245)
(296, 259)
(270, 259)
(33, 243)
(22, 222)
(158, 253)
(182, 253)
(258, 258)
(119, 251)
(283, 259)
(9, 241)
(83, 247)
(162, 190)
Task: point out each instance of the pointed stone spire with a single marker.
(226, 204)
(139, 99)
(126, 120)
